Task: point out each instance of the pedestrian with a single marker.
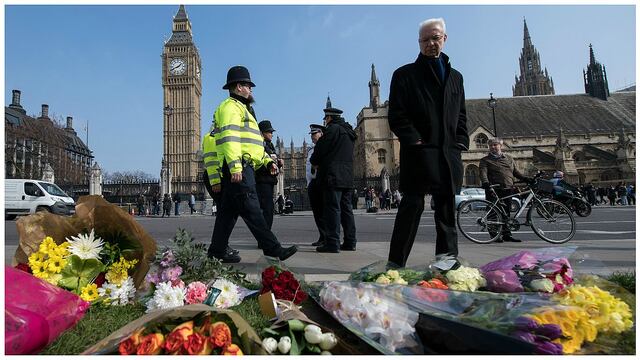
(354, 199)
(622, 193)
(591, 194)
(265, 181)
(333, 158)
(239, 148)
(387, 199)
(602, 193)
(631, 194)
(611, 194)
(176, 201)
(140, 203)
(314, 188)
(427, 113)
(166, 205)
(498, 168)
(280, 202)
(398, 197)
(192, 203)
(368, 199)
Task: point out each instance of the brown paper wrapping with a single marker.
(92, 211)
(109, 345)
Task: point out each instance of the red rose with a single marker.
(287, 294)
(285, 277)
(300, 297)
(173, 343)
(269, 273)
(294, 284)
(130, 345)
(24, 267)
(151, 344)
(220, 335)
(100, 279)
(197, 344)
(278, 294)
(278, 287)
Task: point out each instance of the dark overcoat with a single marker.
(333, 154)
(422, 107)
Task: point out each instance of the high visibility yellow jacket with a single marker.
(237, 137)
(210, 158)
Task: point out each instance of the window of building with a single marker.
(481, 141)
(472, 175)
(382, 156)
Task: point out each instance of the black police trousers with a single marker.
(314, 190)
(337, 210)
(240, 199)
(265, 196)
(408, 219)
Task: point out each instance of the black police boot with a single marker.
(286, 253)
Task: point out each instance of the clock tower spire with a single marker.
(182, 90)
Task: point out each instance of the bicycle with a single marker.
(482, 221)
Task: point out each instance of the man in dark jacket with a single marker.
(265, 181)
(427, 113)
(333, 158)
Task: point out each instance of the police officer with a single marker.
(265, 181)
(239, 149)
(314, 188)
(333, 157)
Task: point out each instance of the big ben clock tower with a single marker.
(182, 89)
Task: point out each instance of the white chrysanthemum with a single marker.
(118, 295)
(166, 297)
(229, 294)
(85, 246)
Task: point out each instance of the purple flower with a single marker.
(524, 336)
(548, 348)
(503, 281)
(167, 259)
(550, 331)
(171, 274)
(152, 277)
(526, 324)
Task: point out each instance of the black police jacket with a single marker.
(263, 175)
(333, 154)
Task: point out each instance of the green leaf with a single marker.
(79, 273)
(314, 348)
(269, 331)
(295, 350)
(296, 325)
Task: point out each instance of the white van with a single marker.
(24, 197)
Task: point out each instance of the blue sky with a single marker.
(102, 64)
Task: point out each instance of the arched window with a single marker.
(382, 156)
(472, 175)
(481, 141)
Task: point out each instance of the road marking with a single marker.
(605, 222)
(601, 232)
(606, 232)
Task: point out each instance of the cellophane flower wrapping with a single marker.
(374, 312)
(540, 270)
(281, 281)
(36, 312)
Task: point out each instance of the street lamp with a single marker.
(493, 102)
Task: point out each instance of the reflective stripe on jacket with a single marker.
(210, 158)
(238, 137)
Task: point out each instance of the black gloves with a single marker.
(486, 185)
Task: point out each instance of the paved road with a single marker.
(606, 241)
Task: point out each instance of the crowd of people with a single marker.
(378, 199)
(613, 195)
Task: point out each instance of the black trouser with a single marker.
(265, 196)
(505, 205)
(240, 199)
(337, 210)
(314, 190)
(407, 221)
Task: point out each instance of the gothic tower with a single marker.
(532, 80)
(374, 90)
(595, 78)
(182, 89)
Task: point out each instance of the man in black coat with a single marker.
(427, 113)
(265, 181)
(333, 158)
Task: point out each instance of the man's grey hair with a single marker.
(439, 21)
(496, 140)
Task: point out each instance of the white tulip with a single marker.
(313, 337)
(284, 345)
(328, 341)
(269, 344)
(313, 328)
(325, 353)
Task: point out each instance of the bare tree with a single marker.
(130, 177)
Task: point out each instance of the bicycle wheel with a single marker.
(480, 221)
(552, 221)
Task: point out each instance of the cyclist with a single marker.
(562, 190)
(499, 168)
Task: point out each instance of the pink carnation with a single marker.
(171, 274)
(196, 293)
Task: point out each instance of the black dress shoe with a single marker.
(318, 243)
(231, 250)
(510, 239)
(286, 253)
(498, 241)
(344, 247)
(327, 249)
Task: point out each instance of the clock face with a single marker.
(177, 66)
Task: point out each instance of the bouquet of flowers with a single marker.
(298, 338)
(543, 270)
(187, 330)
(386, 273)
(84, 264)
(282, 284)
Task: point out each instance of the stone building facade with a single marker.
(182, 88)
(39, 147)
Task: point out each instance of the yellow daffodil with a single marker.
(89, 292)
